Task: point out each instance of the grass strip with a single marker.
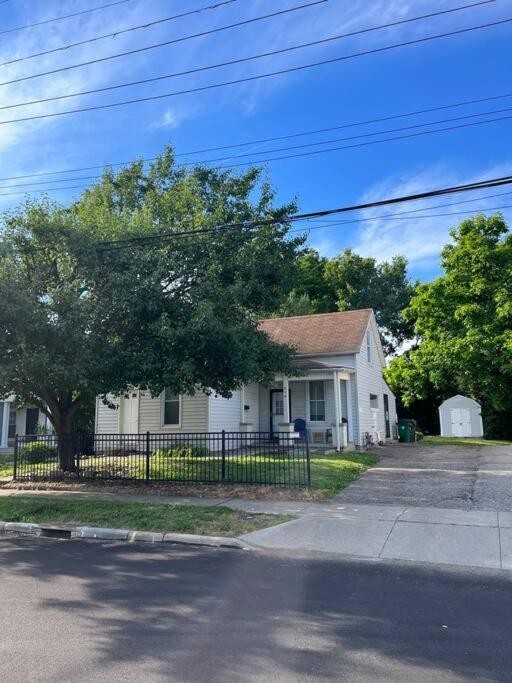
(189, 519)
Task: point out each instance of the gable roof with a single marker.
(320, 333)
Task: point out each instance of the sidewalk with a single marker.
(475, 538)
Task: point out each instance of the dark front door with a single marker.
(386, 416)
(31, 421)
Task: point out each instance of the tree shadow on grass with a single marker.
(190, 614)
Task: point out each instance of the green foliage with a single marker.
(464, 324)
(183, 451)
(349, 281)
(181, 313)
(36, 452)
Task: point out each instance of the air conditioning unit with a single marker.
(318, 436)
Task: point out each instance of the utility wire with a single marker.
(272, 151)
(222, 64)
(114, 34)
(65, 16)
(264, 140)
(405, 214)
(151, 239)
(399, 217)
(250, 78)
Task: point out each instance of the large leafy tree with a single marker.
(349, 281)
(464, 324)
(79, 321)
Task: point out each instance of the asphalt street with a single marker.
(77, 611)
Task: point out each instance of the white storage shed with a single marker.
(461, 416)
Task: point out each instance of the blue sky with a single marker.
(464, 67)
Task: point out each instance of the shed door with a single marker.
(461, 422)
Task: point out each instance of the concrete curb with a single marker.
(104, 534)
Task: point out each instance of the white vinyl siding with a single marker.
(194, 413)
(224, 413)
(370, 382)
(251, 399)
(107, 419)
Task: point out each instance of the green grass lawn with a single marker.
(216, 521)
(455, 441)
(329, 473)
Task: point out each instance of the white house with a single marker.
(26, 420)
(340, 392)
(461, 416)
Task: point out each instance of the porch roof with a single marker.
(308, 364)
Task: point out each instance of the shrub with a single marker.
(36, 452)
(184, 451)
(419, 435)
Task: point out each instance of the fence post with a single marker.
(223, 472)
(148, 457)
(308, 461)
(15, 466)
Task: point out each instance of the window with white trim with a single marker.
(374, 401)
(316, 401)
(369, 345)
(172, 409)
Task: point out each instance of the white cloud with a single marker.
(422, 239)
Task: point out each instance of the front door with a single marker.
(276, 409)
(130, 413)
(386, 416)
(461, 422)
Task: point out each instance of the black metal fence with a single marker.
(208, 458)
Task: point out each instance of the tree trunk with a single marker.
(63, 427)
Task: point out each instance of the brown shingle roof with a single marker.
(322, 333)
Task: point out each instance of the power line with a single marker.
(254, 162)
(403, 215)
(270, 139)
(399, 217)
(114, 34)
(250, 78)
(352, 137)
(271, 151)
(185, 38)
(65, 16)
(148, 239)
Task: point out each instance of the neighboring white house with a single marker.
(26, 420)
(340, 394)
(461, 416)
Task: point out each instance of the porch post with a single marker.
(4, 427)
(286, 400)
(337, 409)
(348, 387)
(242, 404)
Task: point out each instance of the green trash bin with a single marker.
(407, 431)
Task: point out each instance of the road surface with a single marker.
(77, 611)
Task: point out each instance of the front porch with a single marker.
(321, 400)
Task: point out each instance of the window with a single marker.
(316, 401)
(172, 409)
(12, 423)
(32, 421)
(374, 402)
(369, 345)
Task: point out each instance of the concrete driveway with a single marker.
(457, 477)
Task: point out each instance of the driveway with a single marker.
(463, 478)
